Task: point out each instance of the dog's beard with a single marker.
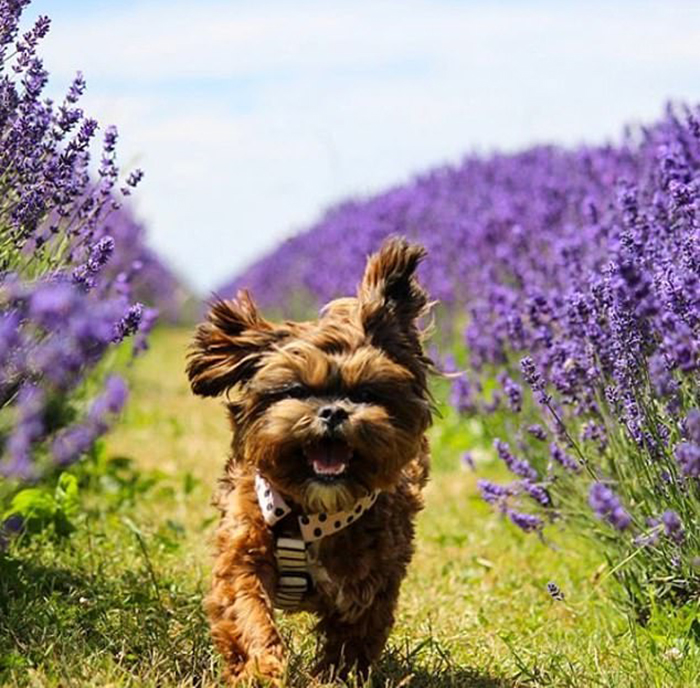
(322, 497)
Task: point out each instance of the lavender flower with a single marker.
(111, 401)
(514, 393)
(492, 492)
(461, 396)
(691, 425)
(73, 442)
(468, 461)
(537, 492)
(673, 526)
(129, 324)
(688, 457)
(526, 522)
(132, 181)
(607, 506)
(537, 431)
(534, 379)
(563, 459)
(73, 271)
(518, 466)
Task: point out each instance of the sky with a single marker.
(252, 117)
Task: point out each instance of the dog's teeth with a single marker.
(328, 459)
(325, 469)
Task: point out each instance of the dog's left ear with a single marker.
(227, 348)
(391, 299)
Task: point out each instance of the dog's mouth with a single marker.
(329, 459)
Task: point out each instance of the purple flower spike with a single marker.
(462, 395)
(691, 425)
(520, 467)
(537, 492)
(52, 304)
(492, 492)
(688, 458)
(468, 461)
(514, 393)
(563, 459)
(533, 378)
(111, 401)
(537, 431)
(526, 522)
(673, 526)
(607, 506)
(129, 324)
(72, 443)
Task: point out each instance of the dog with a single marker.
(328, 461)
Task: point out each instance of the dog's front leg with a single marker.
(356, 636)
(239, 606)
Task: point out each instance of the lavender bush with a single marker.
(572, 279)
(76, 279)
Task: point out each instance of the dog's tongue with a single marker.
(329, 458)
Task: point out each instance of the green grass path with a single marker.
(119, 602)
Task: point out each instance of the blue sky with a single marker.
(250, 118)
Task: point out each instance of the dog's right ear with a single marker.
(227, 348)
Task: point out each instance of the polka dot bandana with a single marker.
(312, 526)
(273, 507)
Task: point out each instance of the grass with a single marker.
(118, 602)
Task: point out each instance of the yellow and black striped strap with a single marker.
(294, 581)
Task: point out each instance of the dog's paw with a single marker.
(268, 667)
(353, 601)
(262, 670)
(335, 667)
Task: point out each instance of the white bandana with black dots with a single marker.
(312, 526)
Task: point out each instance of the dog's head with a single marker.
(326, 411)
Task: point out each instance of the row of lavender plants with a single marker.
(571, 281)
(78, 286)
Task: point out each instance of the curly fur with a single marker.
(364, 356)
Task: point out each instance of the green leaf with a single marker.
(66, 495)
(32, 503)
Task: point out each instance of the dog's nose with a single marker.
(333, 415)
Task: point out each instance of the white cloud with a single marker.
(250, 117)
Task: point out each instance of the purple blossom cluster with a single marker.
(571, 279)
(76, 277)
(54, 337)
(606, 505)
(503, 497)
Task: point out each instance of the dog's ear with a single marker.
(228, 346)
(390, 296)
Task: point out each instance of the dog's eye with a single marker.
(363, 396)
(294, 392)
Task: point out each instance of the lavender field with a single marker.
(561, 543)
(568, 284)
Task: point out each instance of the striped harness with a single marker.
(295, 581)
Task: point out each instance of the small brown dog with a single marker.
(329, 457)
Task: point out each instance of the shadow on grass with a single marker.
(438, 672)
(66, 623)
(425, 663)
(74, 625)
